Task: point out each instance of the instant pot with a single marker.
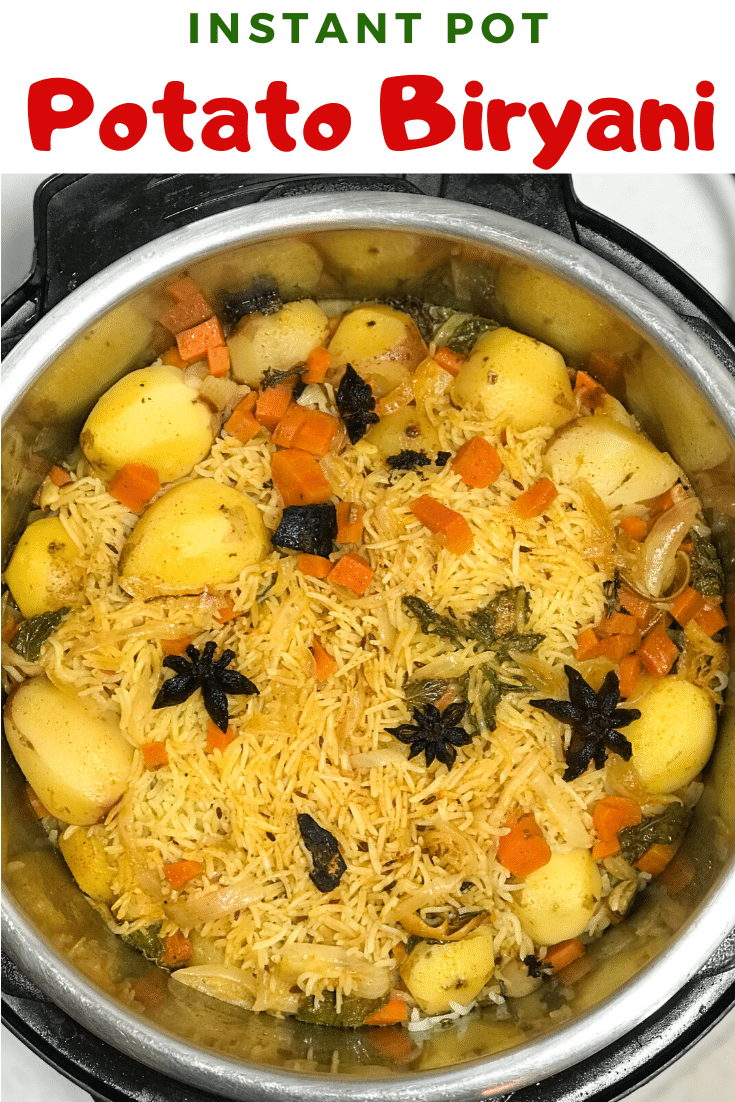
(83, 318)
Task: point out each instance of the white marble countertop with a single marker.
(692, 218)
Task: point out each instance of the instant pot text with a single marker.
(412, 116)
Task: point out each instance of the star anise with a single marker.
(214, 679)
(595, 720)
(435, 733)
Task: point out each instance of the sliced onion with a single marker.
(603, 536)
(333, 962)
(217, 391)
(655, 565)
(564, 810)
(221, 981)
(314, 396)
(194, 373)
(214, 904)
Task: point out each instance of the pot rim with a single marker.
(658, 981)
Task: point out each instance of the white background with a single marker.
(124, 53)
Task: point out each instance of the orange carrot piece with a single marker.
(38, 809)
(299, 479)
(574, 972)
(218, 739)
(524, 849)
(677, 875)
(616, 647)
(587, 644)
(191, 306)
(154, 754)
(660, 504)
(194, 343)
(560, 955)
(176, 949)
(398, 952)
(242, 423)
(591, 394)
(605, 368)
(601, 850)
(394, 1011)
(324, 664)
(630, 671)
(273, 402)
(394, 1044)
(225, 613)
(178, 645)
(450, 361)
(613, 813)
(353, 572)
(657, 652)
(179, 873)
(643, 610)
(218, 359)
(712, 620)
(314, 565)
(9, 628)
(317, 365)
(477, 463)
(173, 358)
(134, 485)
(312, 430)
(449, 527)
(656, 858)
(687, 605)
(349, 522)
(59, 476)
(535, 499)
(617, 623)
(635, 527)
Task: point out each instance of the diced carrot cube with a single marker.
(317, 365)
(612, 814)
(242, 423)
(59, 476)
(687, 605)
(656, 858)
(172, 358)
(314, 565)
(134, 485)
(449, 360)
(273, 401)
(643, 610)
(349, 522)
(536, 499)
(218, 359)
(635, 527)
(630, 671)
(191, 306)
(601, 850)
(450, 528)
(477, 463)
(176, 949)
(218, 739)
(587, 645)
(353, 572)
(179, 873)
(226, 613)
(562, 954)
(194, 343)
(524, 848)
(657, 652)
(616, 647)
(178, 645)
(299, 479)
(325, 665)
(711, 620)
(154, 754)
(312, 430)
(618, 623)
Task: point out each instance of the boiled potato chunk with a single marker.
(407, 429)
(198, 534)
(453, 972)
(85, 855)
(72, 754)
(42, 575)
(372, 261)
(515, 380)
(150, 417)
(558, 900)
(621, 465)
(382, 344)
(554, 311)
(674, 737)
(276, 342)
(294, 266)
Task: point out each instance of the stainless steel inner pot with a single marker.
(449, 252)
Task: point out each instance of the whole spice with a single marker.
(356, 404)
(328, 864)
(214, 679)
(434, 734)
(594, 719)
(408, 460)
(308, 528)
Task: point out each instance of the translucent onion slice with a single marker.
(220, 981)
(338, 965)
(215, 904)
(655, 566)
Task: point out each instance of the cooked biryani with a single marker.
(366, 659)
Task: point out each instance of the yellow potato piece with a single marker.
(41, 574)
(408, 429)
(150, 417)
(295, 266)
(372, 261)
(438, 975)
(552, 310)
(382, 344)
(276, 342)
(558, 900)
(621, 465)
(85, 855)
(515, 380)
(72, 754)
(197, 534)
(674, 737)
